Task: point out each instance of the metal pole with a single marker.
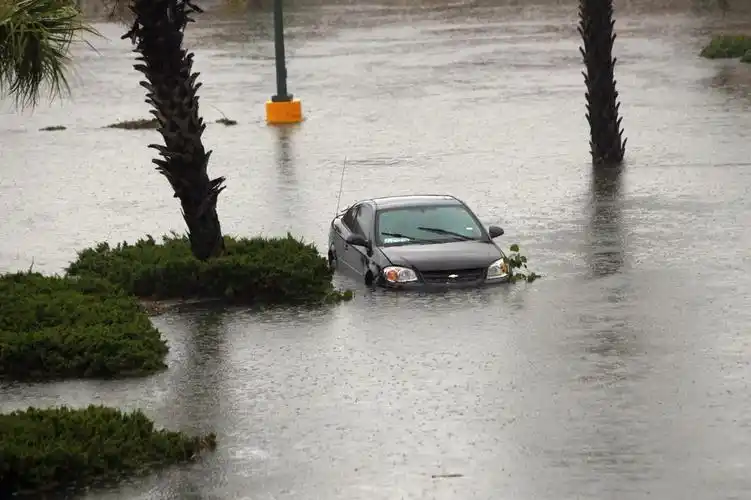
(281, 68)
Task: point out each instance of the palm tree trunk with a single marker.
(596, 29)
(172, 91)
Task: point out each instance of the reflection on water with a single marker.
(195, 399)
(606, 250)
(606, 238)
(734, 79)
(288, 188)
(198, 401)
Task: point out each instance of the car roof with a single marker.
(414, 200)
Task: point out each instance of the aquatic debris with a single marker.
(228, 122)
(140, 124)
(53, 128)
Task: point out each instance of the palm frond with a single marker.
(35, 39)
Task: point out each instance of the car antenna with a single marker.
(341, 184)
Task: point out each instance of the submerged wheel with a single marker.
(332, 260)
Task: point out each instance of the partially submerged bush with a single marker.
(53, 327)
(727, 47)
(46, 449)
(256, 270)
(517, 264)
(139, 124)
(152, 123)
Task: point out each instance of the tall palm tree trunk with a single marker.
(171, 90)
(596, 29)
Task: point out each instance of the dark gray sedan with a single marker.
(416, 241)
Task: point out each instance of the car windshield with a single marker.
(426, 224)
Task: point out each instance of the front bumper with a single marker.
(421, 285)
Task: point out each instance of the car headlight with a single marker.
(498, 269)
(396, 274)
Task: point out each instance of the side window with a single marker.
(365, 221)
(349, 218)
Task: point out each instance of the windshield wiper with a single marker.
(410, 238)
(444, 231)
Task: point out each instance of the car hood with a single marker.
(444, 256)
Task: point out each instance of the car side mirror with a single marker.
(357, 240)
(495, 231)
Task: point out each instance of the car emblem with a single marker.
(453, 276)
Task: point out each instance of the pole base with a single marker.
(282, 112)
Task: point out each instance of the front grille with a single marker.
(461, 275)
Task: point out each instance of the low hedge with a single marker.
(55, 327)
(256, 270)
(728, 47)
(50, 449)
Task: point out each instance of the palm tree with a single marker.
(157, 33)
(596, 29)
(35, 37)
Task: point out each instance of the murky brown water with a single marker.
(623, 374)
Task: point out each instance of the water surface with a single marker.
(622, 374)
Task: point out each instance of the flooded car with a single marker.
(416, 241)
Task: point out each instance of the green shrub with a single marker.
(517, 264)
(747, 56)
(257, 270)
(727, 47)
(53, 327)
(46, 449)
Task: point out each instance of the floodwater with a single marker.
(623, 373)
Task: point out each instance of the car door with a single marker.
(345, 227)
(339, 232)
(360, 256)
